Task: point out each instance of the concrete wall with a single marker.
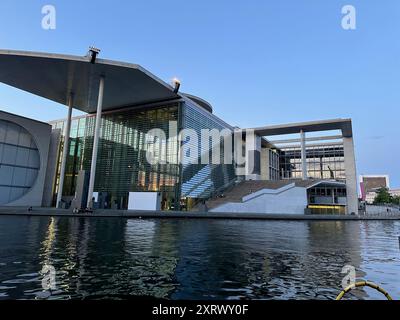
(351, 176)
(287, 200)
(265, 164)
(40, 133)
(51, 168)
(253, 157)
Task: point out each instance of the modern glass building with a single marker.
(324, 161)
(199, 180)
(105, 152)
(122, 166)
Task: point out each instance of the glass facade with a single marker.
(327, 199)
(122, 164)
(327, 195)
(199, 180)
(273, 165)
(323, 162)
(75, 155)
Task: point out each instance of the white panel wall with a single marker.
(150, 201)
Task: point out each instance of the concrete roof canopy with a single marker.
(344, 125)
(55, 77)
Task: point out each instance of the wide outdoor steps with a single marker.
(246, 188)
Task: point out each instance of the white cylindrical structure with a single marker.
(303, 155)
(67, 131)
(95, 142)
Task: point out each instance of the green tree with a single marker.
(396, 200)
(383, 196)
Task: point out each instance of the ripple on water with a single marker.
(195, 259)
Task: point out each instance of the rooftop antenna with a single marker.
(93, 52)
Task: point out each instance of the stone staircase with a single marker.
(245, 188)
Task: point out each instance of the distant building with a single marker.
(370, 184)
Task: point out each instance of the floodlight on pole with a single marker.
(177, 84)
(93, 52)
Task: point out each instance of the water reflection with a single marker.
(194, 259)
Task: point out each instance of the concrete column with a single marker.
(265, 161)
(351, 177)
(303, 155)
(52, 168)
(333, 195)
(67, 131)
(253, 156)
(95, 143)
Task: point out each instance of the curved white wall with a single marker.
(19, 162)
(25, 146)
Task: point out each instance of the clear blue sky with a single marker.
(257, 62)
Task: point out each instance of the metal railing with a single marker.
(380, 210)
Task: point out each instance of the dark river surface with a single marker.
(195, 259)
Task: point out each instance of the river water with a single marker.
(117, 258)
